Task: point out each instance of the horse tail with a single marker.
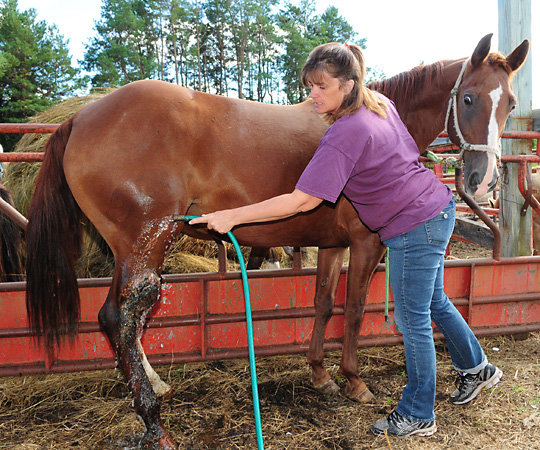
(11, 262)
(53, 241)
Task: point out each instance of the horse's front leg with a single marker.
(123, 317)
(329, 263)
(363, 262)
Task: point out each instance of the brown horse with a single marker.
(151, 150)
(11, 260)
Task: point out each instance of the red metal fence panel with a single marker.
(201, 316)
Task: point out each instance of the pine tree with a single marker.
(35, 67)
(125, 48)
(297, 21)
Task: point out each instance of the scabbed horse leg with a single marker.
(364, 259)
(122, 316)
(329, 263)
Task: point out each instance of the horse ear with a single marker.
(482, 50)
(516, 59)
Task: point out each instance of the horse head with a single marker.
(479, 106)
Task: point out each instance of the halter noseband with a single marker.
(452, 104)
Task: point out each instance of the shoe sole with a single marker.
(495, 378)
(422, 433)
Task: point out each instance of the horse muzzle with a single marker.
(481, 173)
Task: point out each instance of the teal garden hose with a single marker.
(387, 284)
(249, 322)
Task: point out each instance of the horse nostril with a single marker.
(474, 181)
(493, 183)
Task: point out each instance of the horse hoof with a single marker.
(361, 394)
(163, 443)
(165, 396)
(327, 387)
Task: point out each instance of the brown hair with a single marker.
(344, 62)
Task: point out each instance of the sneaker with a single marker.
(398, 425)
(470, 385)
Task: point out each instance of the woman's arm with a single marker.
(275, 208)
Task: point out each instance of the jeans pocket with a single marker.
(439, 229)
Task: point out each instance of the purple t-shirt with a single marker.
(374, 162)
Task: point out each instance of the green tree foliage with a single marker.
(35, 67)
(252, 49)
(219, 45)
(303, 31)
(334, 28)
(297, 23)
(125, 48)
(266, 53)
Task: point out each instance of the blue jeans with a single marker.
(416, 263)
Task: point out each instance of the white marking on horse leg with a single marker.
(160, 387)
(492, 141)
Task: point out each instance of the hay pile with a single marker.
(212, 406)
(186, 254)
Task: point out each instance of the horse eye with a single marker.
(467, 100)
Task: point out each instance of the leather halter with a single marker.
(452, 104)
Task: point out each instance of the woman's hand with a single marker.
(220, 221)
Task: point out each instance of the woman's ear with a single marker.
(349, 84)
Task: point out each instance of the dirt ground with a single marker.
(212, 406)
(466, 250)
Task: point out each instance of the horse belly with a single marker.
(327, 226)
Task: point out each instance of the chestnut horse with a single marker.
(11, 260)
(151, 150)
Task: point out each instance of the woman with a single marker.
(368, 155)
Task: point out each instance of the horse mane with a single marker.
(406, 85)
(497, 59)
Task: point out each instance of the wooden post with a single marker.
(516, 230)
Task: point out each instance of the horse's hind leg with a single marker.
(363, 262)
(136, 287)
(122, 316)
(330, 261)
